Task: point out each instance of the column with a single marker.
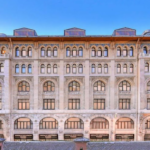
(87, 81)
(111, 89)
(36, 130)
(141, 94)
(86, 128)
(61, 130)
(7, 82)
(61, 85)
(35, 85)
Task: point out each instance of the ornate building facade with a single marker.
(64, 87)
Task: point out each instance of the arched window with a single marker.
(23, 52)
(74, 123)
(99, 123)
(148, 86)
(68, 53)
(42, 52)
(29, 68)
(93, 52)
(17, 52)
(99, 86)
(105, 68)
(125, 51)
(80, 68)
(1, 124)
(1, 67)
(17, 68)
(23, 68)
(131, 68)
(55, 52)
(93, 69)
(146, 67)
(48, 52)
(23, 86)
(124, 86)
(74, 86)
(145, 50)
(67, 68)
(49, 86)
(99, 52)
(48, 123)
(54, 68)
(106, 52)
(147, 124)
(124, 123)
(74, 68)
(125, 68)
(99, 68)
(131, 51)
(74, 52)
(80, 51)
(3, 51)
(118, 68)
(48, 68)
(118, 51)
(23, 123)
(42, 68)
(30, 52)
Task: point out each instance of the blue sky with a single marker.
(97, 17)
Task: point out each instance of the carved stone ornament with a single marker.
(60, 131)
(86, 131)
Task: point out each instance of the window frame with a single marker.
(48, 104)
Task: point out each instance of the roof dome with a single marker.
(2, 35)
(146, 32)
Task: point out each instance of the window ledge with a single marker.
(23, 93)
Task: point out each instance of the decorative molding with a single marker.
(131, 44)
(99, 45)
(74, 45)
(51, 45)
(4, 45)
(26, 45)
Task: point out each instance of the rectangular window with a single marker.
(21, 137)
(23, 104)
(48, 53)
(99, 70)
(74, 104)
(80, 53)
(48, 104)
(42, 53)
(55, 53)
(131, 53)
(105, 70)
(48, 70)
(30, 53)
(124, 53)
(118, 53)
(93, 53)
(99, 104)
(74, 53)
(118, 70)
(124, 103)
(68, 53)
(148, 103)
(105, 53)
(23, 53)
(99, 53)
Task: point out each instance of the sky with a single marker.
(52, 17)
